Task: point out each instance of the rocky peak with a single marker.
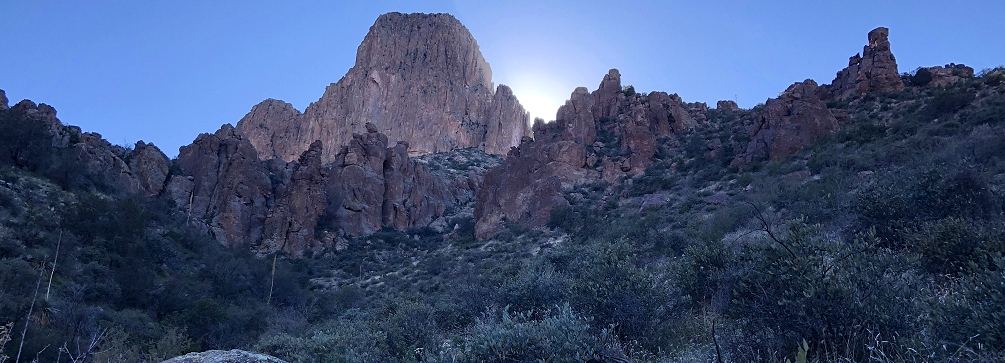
(418, 78)
(4, 103)
(874, 70)
(569, 151)
(794, 120)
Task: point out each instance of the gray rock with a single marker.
(225, 356)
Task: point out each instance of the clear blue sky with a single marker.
(165, 71)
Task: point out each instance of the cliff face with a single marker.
(606, 134)
(418, 78)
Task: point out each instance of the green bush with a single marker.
(834, 294)
(559, 335)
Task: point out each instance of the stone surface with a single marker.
(267, 126)
(4, 103)
(373, 185)
(150, 167)
(112, 168)
(231, 191)
(225, 356)
(726, 105)
(299, 202)
(418, 78)
(949, 74)
(788, 123)
(603, 135)
(874, 70)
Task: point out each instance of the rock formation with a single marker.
(373, 185)
(4, 103)
(418, 78)
(224, 184)
(788, 123)
(87, 156)
(951, 73)
(874, 70)
(225, 356)
(601, 135)
(726, 105)
(299, 202)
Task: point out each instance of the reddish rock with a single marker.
(949, 74)
(418, 78)
(726, 105)
(373, 185)
(299, 203)
(150, 167)
(529, 183)
(874, 70)
(788, 123)
(231, 191)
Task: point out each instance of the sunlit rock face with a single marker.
(419, 78)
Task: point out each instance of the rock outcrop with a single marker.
(373, 185)
(85, 159)
(874, 70)
(4, 103)
(271, 205)
(951, 73)
(606, 134)
(225, 356)
(418, 78)
(225, 185)
(299, 202)
(788, 123)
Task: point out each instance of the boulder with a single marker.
(150, 167)
(225, 356)
(726, 105)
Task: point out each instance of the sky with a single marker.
(164, 71)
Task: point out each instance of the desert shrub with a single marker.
(348, 338)
(921, 78)
(861, 133)
(904, 199)
(558, 335)
(24, 141)
(956, 245)
(992, 112)
(612, 286)
(536, 287)
(831, 293)
(948, 102)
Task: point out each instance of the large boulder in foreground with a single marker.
(874, 70)
(418, 78)
(225, 356)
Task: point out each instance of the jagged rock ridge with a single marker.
(569, 151)
(419, 78)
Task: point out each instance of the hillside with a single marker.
(860, 220)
